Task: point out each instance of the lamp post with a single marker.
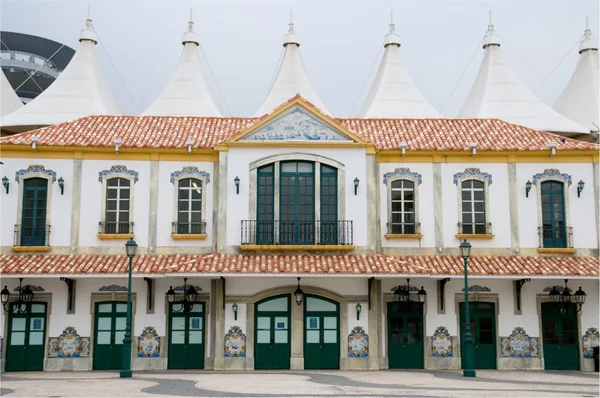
(468, 371)
(130, 247)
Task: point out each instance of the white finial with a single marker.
(88, 32)
(291, 24)
(392, 37)
(191, 22)
(589, 41)
(290, 37)
(391, 17)
(490, 18)
(587, 22)
(491, 36)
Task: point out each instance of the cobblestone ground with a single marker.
(301, 384)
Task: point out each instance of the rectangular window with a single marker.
(329, 206)
(402, 217)
(189, 207)
(473, 207)
(264, 227)
(117, 206)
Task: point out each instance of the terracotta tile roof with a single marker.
(299, 264)
(386, 134)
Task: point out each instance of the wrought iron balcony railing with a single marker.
(115, 227)
(475, 228)
(258, 232)
(555, 235)
(398, 228)
(31, 236)
(189, 228)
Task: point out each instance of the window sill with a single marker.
(295, 247)
(188, 236)
(31, 249)
(475, 236)
(115, 236)
(557, 250)
(403, 236)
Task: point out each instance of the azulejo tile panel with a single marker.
(190, 171)
(113, 288)
(148, 343)
(519, 345)
(68, 345)
(441, 343)
(552, 173)
(472, 172)
(478, 288)
(589, 340)
(402, 172)
(118, 169)
(358, 343)
(235, 343)
(35, 168)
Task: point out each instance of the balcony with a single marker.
(556, 238)
(297, 235)
(115, 230)
(475, 231)
(31, 239)
(188, 230)
(403, 231)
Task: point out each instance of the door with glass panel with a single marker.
(321, 333)
(560, 336)
(33, 220)
(186, 336)
(553, 214)
(265, 211)
(405, 335)
(482, 318)
(272, 333)
(109, 331)
(26, 337)
(297, 203)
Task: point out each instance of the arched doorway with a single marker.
(272, 348)
(321, 333)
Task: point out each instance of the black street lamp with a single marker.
(25, 298)
(130, 248)
(468, 371)
(190, 296)
(566, 298)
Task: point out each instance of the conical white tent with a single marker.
(498, 93)
(187, 93)
(393, 93)
(79, 91)
(579, 101)
(291, 78)
(10, 101)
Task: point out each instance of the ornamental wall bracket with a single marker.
(552, 174)
(190, 172)
(402, 172)
(113, 288)
(477, 288)
(35, 168)
(117, 169)
(472, 172)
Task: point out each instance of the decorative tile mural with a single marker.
(402, 172)
(472, 172)
(477, 288)
(35, 168)
(68, 345)
(296, 125)
(441, 343)
(190, 172)
(148, 343)
(412, 288)
(589, 340)
(552, 173)
(181, 288)
(118, 169)
(519, 345)
(358, 343)
(560, 289)
(33, 288)
(235, 343)
(113, 288)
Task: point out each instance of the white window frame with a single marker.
(204, 181)
(486, 198)
(22, 178)
(105, 195)
(538, 187)
(415, 182)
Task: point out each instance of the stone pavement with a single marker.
(406, 383)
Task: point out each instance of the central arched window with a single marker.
(189, 207)
(403, 207)
(473, 207)
(116, 220)
(554, 232)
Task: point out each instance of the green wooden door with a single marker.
(560, 336)
(297, 203)
(405, 335)
(26, 338)
(272, 349)
(109, 331)
(33, 220)
(186, 337)
(553, 214)
(329, 206)
(321, 333)
(483, 330)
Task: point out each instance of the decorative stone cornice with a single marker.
(35, 168)
(472, 172)
(402, 172)
(190, 172)
(117, 169)
(552, 174)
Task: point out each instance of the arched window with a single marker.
(473, 217)
(33, 215)
(189, 207)
(117, 213)
(554, 229)
(402, 214)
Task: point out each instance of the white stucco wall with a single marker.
(251, 285)
(241, 316)
(364, 316)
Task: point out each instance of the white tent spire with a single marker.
(10, 101)
(498, 93)
(393, 93)
(291, 77)
(579, 101)
(187, 93)
(79, 91)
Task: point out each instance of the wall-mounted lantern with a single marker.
(552, 145)
(566, 297)
(580, 186)
(356, 182)
(528, 186)
(403, 148)
(25, 297)
(422, 294)
(5, 183)
(190, 144)
(61, 185)
(117, 143)
(358, 310)
(234, 307)
(236, 180)
(473, 146)
(34, 141)
(299, 294)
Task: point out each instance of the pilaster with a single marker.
(297, 359)
(373, 224)
(76, 204)
(152, 221)
(597, 200)
(221, 219)
(375, 320)
(437, 205)
(513, 206)
(217, 323)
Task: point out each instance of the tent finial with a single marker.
(291, 24)
(191, 21)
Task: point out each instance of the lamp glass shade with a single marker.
(130, 248)
(580, 184)
(61, 182)
(356, 182)
(398, 293)
(236, 180)
(191, 295)
(4, 295)
(465, 249)
(27, 294)
(580, 296)
(170, 295)
(528, 185)
(234, 307)
(422, 294)
(358, 308)
(566, 296)
(5, 180)
(554, 295)
(299, 295)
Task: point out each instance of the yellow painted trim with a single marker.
(557, 250)
(295, 247)
(298, 144)
(403, 236)
(584, 156)
(37, 249)
(115, 236)
(188, 236)
(475, 236)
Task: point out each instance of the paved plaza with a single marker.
(302, 383)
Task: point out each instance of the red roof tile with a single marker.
(385, 134)
(299, 264)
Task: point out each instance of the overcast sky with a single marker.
(340, 43)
